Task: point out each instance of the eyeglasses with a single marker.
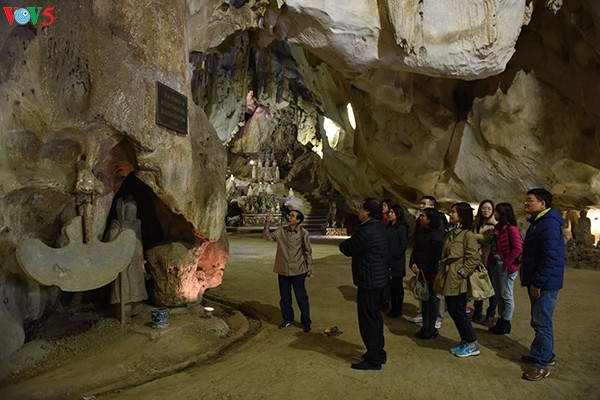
(529, 201)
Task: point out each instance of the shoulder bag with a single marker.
(418, 286)
(479, 285)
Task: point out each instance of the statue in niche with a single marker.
(583, 232)
(277, 172)
(133, 276)
(230, 186)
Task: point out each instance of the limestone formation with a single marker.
(182, 273)
(83, 90)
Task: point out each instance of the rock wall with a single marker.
(463, 100)
(77, 116)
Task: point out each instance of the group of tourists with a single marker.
(445, 253)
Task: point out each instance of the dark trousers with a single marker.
(457, 309)
(286, 283)
(370, 323)
(396, 294)
(490, 312)
(430, 310)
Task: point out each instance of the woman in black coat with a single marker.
(397, 231)
(426, 254)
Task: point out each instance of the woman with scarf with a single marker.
(483, 228)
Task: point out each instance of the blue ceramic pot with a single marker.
(160, 318)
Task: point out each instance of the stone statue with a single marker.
(230, 186)
(583, 231)
(133, 276)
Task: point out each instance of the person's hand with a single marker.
(269, 218)
(309, 273)
(414, 268)
(534, 292)
(497, 257)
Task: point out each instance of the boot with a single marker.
(498, 329)
(506, 327)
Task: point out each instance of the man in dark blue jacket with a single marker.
(542, 273)
(368, 248)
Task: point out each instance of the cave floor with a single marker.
(200, 357)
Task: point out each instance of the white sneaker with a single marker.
(438, 323)
(416, 320)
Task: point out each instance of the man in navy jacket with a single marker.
(368, 248)
(542, 273)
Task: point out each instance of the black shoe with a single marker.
(374, 362)
(427, 335)
(366, 365)
(498, 329)
(528, 360)
(306, 328)
(284, 325)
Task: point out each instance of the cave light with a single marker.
(332, 131)
(318, 149)
(594, 216)
(351, 115)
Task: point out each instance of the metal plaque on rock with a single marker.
(171, 109)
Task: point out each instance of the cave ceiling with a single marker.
(465, 100)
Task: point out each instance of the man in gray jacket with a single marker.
(292, 265)
(368, 248)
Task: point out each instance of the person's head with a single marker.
(430, 219)
(294, 217)
(505, 214)
(537, 201)
(396, 215)
(462, 213)
(370, 208)
(583, 213)
(427, 202)
(130, 211)
(386, 205)
(485, 210)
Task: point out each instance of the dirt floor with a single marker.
(227, 356)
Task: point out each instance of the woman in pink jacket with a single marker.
(505, 268)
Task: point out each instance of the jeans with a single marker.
(503, 284)
(542, 309)
(457, 309)
(286, 283)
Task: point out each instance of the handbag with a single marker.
(418, 286)
(479, 285)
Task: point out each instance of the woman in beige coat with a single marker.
(460, 257)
